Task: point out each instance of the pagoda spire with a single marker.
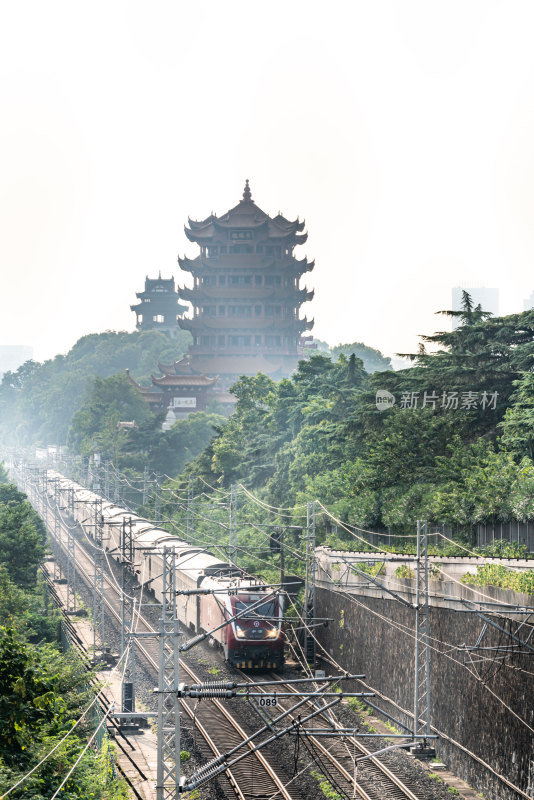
(247, 196)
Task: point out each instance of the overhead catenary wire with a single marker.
(327, 657)
(52, 751)
(85, 749)
(408, 632)
(377, 548)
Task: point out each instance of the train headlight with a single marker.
(240, 632)
(272, 633)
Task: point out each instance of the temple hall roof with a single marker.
(184, 380)
(181, 367)
(150, 394)
(241, 365)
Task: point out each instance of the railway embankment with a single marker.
(482, 676)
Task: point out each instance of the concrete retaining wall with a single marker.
(374, 636)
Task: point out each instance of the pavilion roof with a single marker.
(164, 283)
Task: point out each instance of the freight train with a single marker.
(255, 640)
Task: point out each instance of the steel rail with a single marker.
(379, 770)
(241, 777)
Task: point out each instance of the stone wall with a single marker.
(374, 636)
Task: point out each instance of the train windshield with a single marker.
(267, 610)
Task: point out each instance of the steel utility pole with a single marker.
(282, 556)
(232, 542)
(157, 505)
(128, 686)
(57, 566)
(106, 479)
(96, 472)
(117, 489)
(309, 588)
(190, 524)
(42, 497)
(98, 581)
(145, 487)
(421, 706)
(71, 570)
(168, 766)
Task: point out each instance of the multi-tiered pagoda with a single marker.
(246, 295)
(159, 308)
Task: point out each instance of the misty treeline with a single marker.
(38, 401)
(455, 448)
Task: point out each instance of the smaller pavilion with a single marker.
(159, 308)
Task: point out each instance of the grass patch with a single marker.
(326, 787)
(355, 704)
(404, 571)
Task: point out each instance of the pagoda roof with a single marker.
(243, 324)
(252, 261)
(184, 380)
(245, 215)
(241, 365)
(260, 293)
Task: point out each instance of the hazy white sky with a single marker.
(403, 132)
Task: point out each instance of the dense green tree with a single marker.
(172, 450)
(373, 360)
(26, 610)
(43, 691)
(22, 538)
(518, 424)
(94, 426)
(28, 699)
(320, 434)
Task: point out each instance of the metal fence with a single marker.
(513, 531)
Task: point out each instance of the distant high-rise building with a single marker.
(159, 308)
(529, 302)
(487, 298)
(12, 356)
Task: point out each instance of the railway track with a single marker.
(253, 778)
(260, 779)
(374, 781)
